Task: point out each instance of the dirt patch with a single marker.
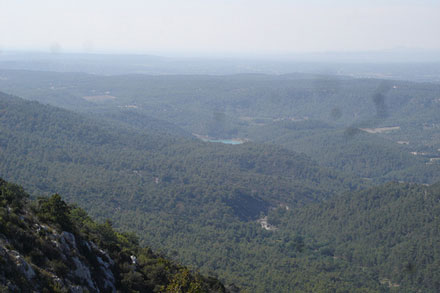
(381, 129)
(99, 98)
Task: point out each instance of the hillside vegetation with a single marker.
(308, 113)
(300, 206)
(196, 201)
(50, 246)
(392, 230)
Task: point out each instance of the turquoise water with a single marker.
(225, 141)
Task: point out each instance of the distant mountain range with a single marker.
(407, 64)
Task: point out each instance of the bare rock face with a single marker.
(22, 265)
(109, 278)
(89, 272)
(82, 272)
(15, 264)
(95, 278)
(68, 240)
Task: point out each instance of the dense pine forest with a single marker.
(330, 187)
(368, 127)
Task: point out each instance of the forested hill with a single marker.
(198, 202)
(50, 142)
(354, 151)
(391, 230)
(392, 126)
(53, 123)
(49, 246)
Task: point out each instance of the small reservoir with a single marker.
(233, 141)
(225, 141)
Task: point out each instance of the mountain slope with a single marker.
(48, 246)
(352, 150)
(392, 230)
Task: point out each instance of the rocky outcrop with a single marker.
(72, 253)
(88, 268)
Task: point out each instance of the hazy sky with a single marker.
(219, 26)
